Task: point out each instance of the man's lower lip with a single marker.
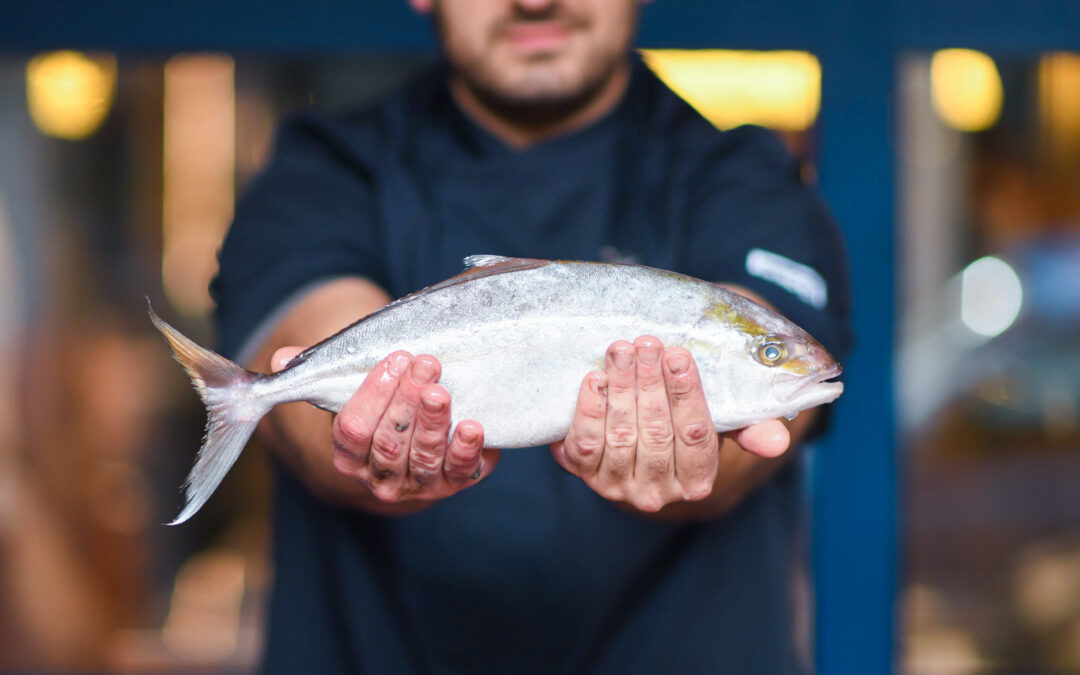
(537, 38)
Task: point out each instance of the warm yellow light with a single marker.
(69, 93)
(1059, 106)
(780, 89)
(965, 89)
(199, 165)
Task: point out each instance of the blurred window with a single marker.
(988, 368)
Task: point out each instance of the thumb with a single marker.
(766, 439)
(281, 357)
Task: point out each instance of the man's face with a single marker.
(539, 54)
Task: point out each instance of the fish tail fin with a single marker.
(232, 413)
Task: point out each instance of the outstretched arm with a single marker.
(387, 451)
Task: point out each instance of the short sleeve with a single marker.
(756, 223)
(307, 216)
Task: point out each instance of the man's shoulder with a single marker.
(670, 120)
(366, 132)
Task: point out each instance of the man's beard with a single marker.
(540, 96)
(539, 101)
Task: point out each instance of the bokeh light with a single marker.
(966, 89)
(990, 296)
(68, 93)
(779, 89)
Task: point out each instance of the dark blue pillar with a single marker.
(855, 490)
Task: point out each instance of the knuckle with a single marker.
(621, 437)
(424, 476)
(586, 448)
(429, 444)
(353, 430)
(348, 455)
(380, 473)
(385, 493)
(657, 433)
(425, 459)
(650, 382)
(698, 490)
(386, 446)
(681, 390)
(608, 491)
(431, 426)
(649, 501)
(459, 474)
(697, 433)
(461, 455)
(595, 410)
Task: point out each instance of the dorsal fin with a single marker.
(484, 260)
(478, 266)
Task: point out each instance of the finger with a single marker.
(464, 457)
(620, 423)
(766, 439)
(428, 446)
(583, 448)
(390, 444)
(282, 356)
(354, 425)
(696, 442)
(655, 460)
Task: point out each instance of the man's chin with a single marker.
(536, 101)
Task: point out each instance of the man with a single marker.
(398, 549)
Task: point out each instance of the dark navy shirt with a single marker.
(529, 571)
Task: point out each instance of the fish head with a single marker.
(772, 367)
(794, 371)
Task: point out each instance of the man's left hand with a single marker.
(642, 433)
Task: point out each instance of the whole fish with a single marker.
(516, 337)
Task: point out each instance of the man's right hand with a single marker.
(393, 435)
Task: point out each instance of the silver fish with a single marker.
(516, 337)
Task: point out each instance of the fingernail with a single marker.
(623, 359)
(398, 364)
(432, 405)
(678, 363)
(468, 435)
(479, 470)
(648, 354)
(422, 372)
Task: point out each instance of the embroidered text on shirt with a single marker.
(803, 281)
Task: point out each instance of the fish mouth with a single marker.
(817, 389)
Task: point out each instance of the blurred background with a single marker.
(946, 501)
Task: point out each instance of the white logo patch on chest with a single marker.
(801, 280)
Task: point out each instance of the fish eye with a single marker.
(772, 352)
